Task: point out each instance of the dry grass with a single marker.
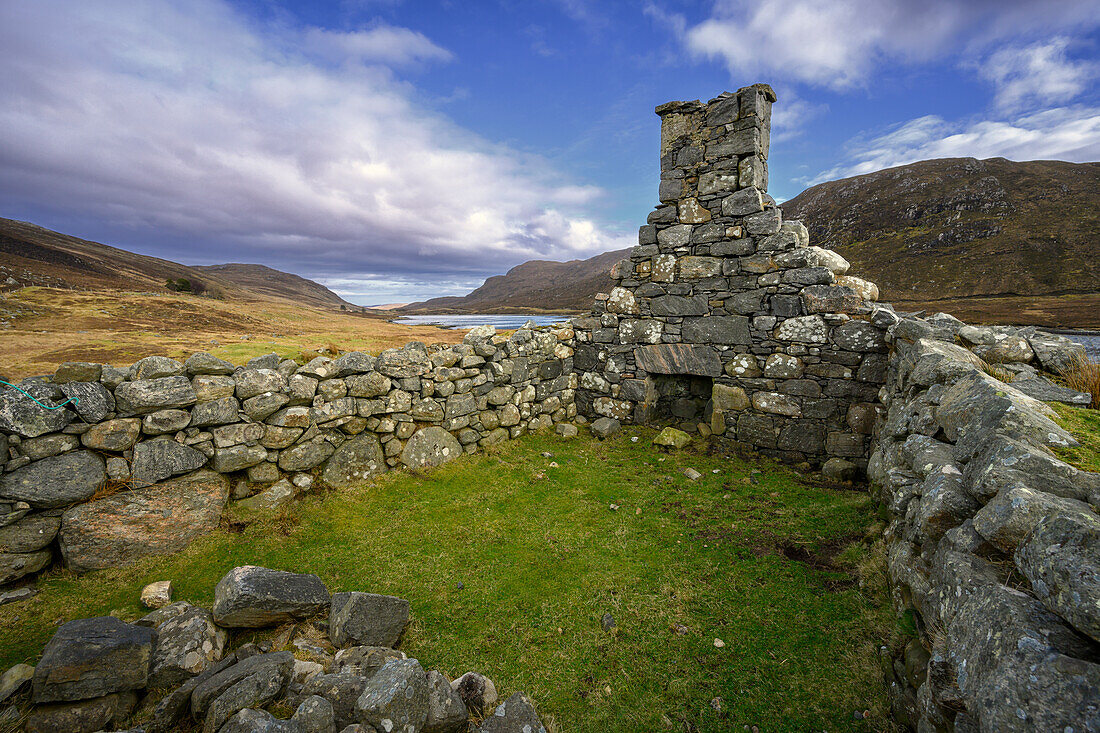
(1084, 376)
(996, 371)
(43, 327)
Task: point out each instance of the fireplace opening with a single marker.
(682, 400)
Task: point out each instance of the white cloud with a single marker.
(1063, 133)
(183, 122)
(1040, 73)
(838, 43)
(381, 44)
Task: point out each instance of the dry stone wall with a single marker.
(724, 318)
(150, 456)
(993, 542)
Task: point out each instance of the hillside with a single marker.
(535, 286)
(963, 228)
(33, 255)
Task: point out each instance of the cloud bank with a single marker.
(301, 149)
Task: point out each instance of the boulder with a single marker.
(605, 427)
(430, 447)
(93, 657)
(159, 520)
(187, 644)
(21, 415)
(85, 716)
(157, 595)
(1044, 390)
(367, 619)
(113, 435)
(155, 460)
(514, 715)
(353, 362)
(357, 459)
(56, 481)
(477, 691)
(396, 697)
(1011, 515)
(341, 690)
(1006, 350)
(266, 361)
(251, 597)
(315, 714)
(1055, 353)
(253, 682)
(149, 395)
(446, 711)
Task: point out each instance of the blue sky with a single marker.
(402, 150)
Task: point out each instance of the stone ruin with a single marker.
(724, 319)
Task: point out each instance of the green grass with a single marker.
(1084, 425)
(542, 557)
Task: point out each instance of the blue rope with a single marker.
(74, 400)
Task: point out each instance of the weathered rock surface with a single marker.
(21, 415)
(84, 716)
(357, 459)
(156, 460)
(367, 619)
(446, 711)
(29, 534)
(396, 697)
(93, 657)
(430, 447)
(187, 644)
(113, 435)
(56, 481)
(148, 395)
(512, 716)
(252, 597)
(15, 565)
(160, 519)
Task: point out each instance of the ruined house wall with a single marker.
(722, 295)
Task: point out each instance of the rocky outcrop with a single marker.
(992, 541)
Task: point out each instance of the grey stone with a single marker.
(367, 619)
(22, 415)
(215, 412)
(84, 716)
(77, 371)
(253, 382)
(1014, 512)
(677, 305)
(478, 693)
(15, 679)
(372, 384)
(859, 336)
(678, 359)
(353, 362)
(156, 460)
(357, 459)
(262, 685)
(1055, 353)
(113, 435)
(15, 565)
(1061, 559)
(56, 481)
(305, 456)
(30, 534)
(265, 361)
(396, 697)
(408, 361)
(717, 330)
(204, 363)
(155, 367)
(238, 457)
(91, 400)
(51, 444)
(262, 406)
(259, 721)
(159, 520)
(165, 421)
(187, 644)
(605, 427)
(430, 447)
(743, 202)
(516, 714)
(93, 657)
(209, 387)
(252, 597)
(1044, 390)
(364, 661)
(226, 675)
(446, 711)
(341, 690)
(148, 395)
(315, 714)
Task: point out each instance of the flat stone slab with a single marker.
(252, 597)
(678, 359)
(1045, 390)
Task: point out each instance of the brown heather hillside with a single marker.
(33, 255)
(963, 228)
(535, 286)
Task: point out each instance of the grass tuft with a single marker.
(1084, 376)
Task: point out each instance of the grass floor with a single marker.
(752, 554)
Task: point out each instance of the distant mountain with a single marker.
(34, 255)
(963, 228)
(535, 286)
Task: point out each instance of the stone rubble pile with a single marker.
(174, 669)
(183, 438)
(724, 318)
(993, 542)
